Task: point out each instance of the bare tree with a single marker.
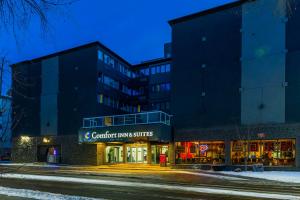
(15, 17)
(18, 13)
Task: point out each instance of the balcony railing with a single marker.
(157, 117)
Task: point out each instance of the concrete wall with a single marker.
(49, 92)
(263, 63)
(71, 151)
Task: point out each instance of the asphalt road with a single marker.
(171, 182)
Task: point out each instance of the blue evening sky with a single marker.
(135, 29)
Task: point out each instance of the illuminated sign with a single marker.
(96, 136)
(203, 147)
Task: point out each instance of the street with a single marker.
(140, 183)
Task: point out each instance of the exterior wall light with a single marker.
(25, 139)
(46, 140)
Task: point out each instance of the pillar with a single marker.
(101, 153)
(172, 153)
(149, 153)
(227, 152)
(297, 159)
(124, 153)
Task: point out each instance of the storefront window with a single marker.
(267, 152)
(157, 150)
(200, 152)
(137, 154)
(114, 154)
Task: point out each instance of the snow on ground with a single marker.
(33, 194)
(206, 190)
(289, 177)
(205, 174)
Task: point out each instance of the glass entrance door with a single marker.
(114, 154)
(137, 154)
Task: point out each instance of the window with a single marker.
(163, 69)
(168, 67)
(168, 86)
(145, 71)
(111, 82)
(164, 87)
(100, 98)
(157, 69)
(100, 55)
(106, 59)
(268, 152)
(153, 70)
(200, 152)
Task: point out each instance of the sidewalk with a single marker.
(281, 176)
(91, 167)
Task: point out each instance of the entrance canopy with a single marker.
(146, 126)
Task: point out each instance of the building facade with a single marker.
(243, 70)
(52, 95)
(224, 94)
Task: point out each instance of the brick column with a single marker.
(172, 153)
(101, 153)
(124, 153)
(149, 153)
(227, 152)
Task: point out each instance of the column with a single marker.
(172, 153)
(297, 159)
(149, 153)
(124, 153)
(227, 152)
(101, 153)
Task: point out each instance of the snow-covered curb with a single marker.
(215, 191)
(33, 194)
(288, 177)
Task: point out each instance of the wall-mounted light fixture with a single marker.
(25, 139)
(46, 140)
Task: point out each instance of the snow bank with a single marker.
(33, 194)
(215, 191)
(289, 177)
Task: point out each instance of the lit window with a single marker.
(139, 108)
(100, 98)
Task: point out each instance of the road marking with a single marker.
(152, 186)
(34, 194)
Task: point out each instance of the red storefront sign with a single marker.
(162, 158)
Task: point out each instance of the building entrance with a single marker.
(137, 154)
(114, 154)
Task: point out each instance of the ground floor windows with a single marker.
(157, 151)
(268, 152)
(200, 152)
(135, 153)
